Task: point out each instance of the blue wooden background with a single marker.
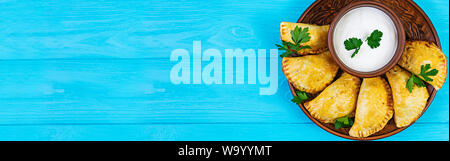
(99, 70)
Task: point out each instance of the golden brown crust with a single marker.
(310, 73)
(337, 100)
(374, 107)
(418, 53)
(408, 106)
(318, 41)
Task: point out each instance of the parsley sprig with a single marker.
(300, 98)
(298, 36)
(414, 80)
(374, 39)
(353, 43)
(425, 73)
(345, 121)
(286, 46)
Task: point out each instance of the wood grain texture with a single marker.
(136, 28)
(85, 70)
(200, 132)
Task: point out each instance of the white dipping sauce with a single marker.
(360, 23)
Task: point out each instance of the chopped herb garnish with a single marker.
(374, 39)
(287, 48)
(300, 98)
(426, 74)
(345, 121)
(353, 43)
(298, 36)
(414, 79)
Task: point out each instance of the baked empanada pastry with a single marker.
(310, 73)
(318, 41)
(373, 108)
(418, 53)
(337, 100)
(407, 105)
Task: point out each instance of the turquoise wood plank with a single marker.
(62, 75)
(138, 91)
(127, 91)
(203, 132)
(437, 11)
(137, 28)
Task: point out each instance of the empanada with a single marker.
(318, 41)
(310, 73)
(373, 108)
(337, 100)
(418, 53)
(407, 105)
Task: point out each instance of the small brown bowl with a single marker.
(400, 36)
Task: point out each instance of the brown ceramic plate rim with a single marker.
(432, 93)
(400, 38)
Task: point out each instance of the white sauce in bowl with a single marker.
(360, 23)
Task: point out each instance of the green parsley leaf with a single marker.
(353, 43)
(426, 75)
(374, 39)
(300, 35)
(286, 46)
(300, 98)
(338, 125)
(345, 121)
(418, 82)
(410, 83)
(414, 80)
(305, 47)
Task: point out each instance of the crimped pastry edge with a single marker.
(284, 29)
(361, 134)
(312, 90)
(407, 122)
(316, 115)
(440, 80)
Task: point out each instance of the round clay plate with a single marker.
(417, 26)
